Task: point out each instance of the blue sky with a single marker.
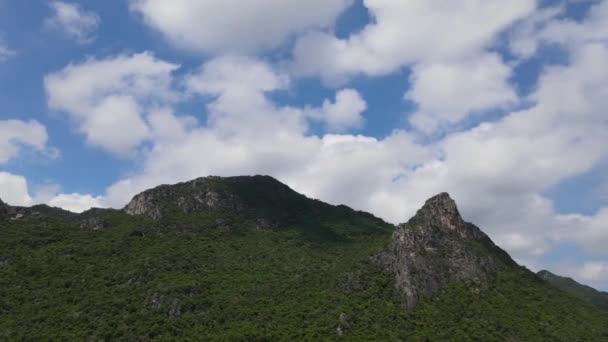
(375, 104)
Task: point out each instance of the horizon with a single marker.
(376, 105)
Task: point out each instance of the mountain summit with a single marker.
(436, 247)
(261, 198)
(249, 259)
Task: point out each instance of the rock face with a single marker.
(436, 247)
(202, 194)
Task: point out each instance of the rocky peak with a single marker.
(441, 211)
(436, 247)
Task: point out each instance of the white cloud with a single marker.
(116, 124)
(344, 114)
(407, 32)
(13, 189)
(240, 106)
(546, 27)
(454, 75)
(212, 27)
(447, 92)
(108, 99)
(523, 39)
(75, 202)
(74, 21)
(17, 133)
(589, 231)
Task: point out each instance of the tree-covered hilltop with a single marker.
(598, 298)
(248, 259)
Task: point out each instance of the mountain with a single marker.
(436, 247)
(249, 259)
(598, 298)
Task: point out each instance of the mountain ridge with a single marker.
(569, 285)
(248, 258)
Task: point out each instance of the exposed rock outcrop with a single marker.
(199, 195)
(436, 247)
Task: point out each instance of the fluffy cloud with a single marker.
(103, 95)
(447, 92)
(74, 21)
(588, 231)
(344, 114)
(397, 36)
(547, 27)
(13, 189)
(236, 26)
(75, 202)
(447, 69)
(17, 133)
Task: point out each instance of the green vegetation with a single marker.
(599, 299)
(214, 276)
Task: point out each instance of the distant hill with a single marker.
(249, 259)
(598, 298)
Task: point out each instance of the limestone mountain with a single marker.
(249, 259)
(436, 247)
(598, 298)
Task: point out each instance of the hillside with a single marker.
(249, 259)
(598, 298)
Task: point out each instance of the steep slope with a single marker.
(598, 298)
(247, 258)
(436, 247)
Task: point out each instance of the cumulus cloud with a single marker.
(547, 27)
(454, 75)
(447, 92)
(399, 35)
(73, 20)
(13, 189)
(75, 202)
(213, 27)
(16, 133)
(344, 114)
(105, 96)
(588, 231)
